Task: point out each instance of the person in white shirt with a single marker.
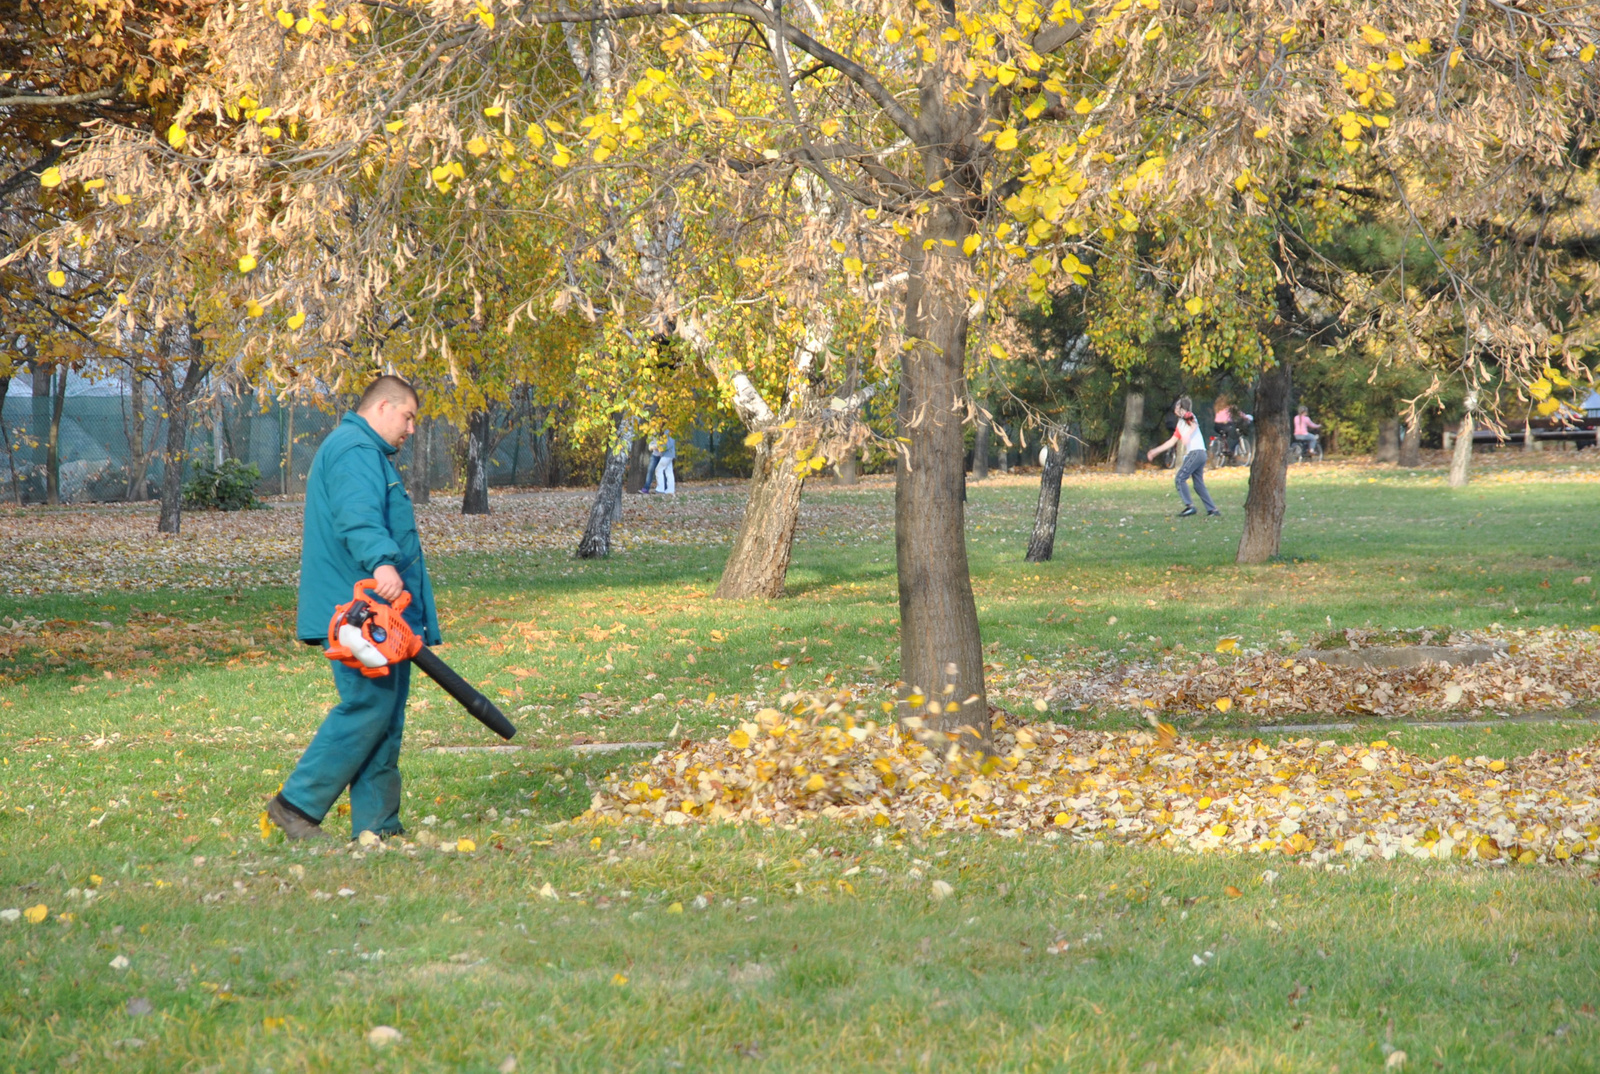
(666, 480)
(1192, 464)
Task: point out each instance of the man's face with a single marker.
(391, 420)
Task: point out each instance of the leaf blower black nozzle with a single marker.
(481, 708)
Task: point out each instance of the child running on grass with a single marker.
(1192, 461)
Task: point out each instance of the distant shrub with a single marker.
(229, 487)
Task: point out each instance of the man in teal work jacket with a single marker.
(358, 524)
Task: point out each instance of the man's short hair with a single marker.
(394, 389)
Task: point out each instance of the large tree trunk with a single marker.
(219, 435)
(1042, 545)
(1388, 441)
(980, 443)
(1411, 446)
(288, 447)
(52, 463)
(1461, 460)
(5, 438)
(44, 383)
(638, 472)
(421, 456)
(847, 470)
(172, 461)
(759, 561)
(941, 651)
(177, 397)
(475, 498)
(596, 540)
(1263, 507)
(1132, 427)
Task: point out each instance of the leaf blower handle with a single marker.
(481, 708)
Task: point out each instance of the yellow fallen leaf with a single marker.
(56, 277)
(176, 136)
(1227, 645)
(816, 782)
(50, 177)
(465, 846)
(247, 262)
(1224, 704)
(739, 739)
(1195, 305)
(1232, 892)
(619, 979)
(36, 914)
(675, 908)
(853, 265)
(297, 320)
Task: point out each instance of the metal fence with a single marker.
(102, 454)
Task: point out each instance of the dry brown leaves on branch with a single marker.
(1543, 668)
(1297, 798)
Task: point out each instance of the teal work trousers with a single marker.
(357, 746)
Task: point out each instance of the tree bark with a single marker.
(1388, 449)
(5, 438)
(759, 561)
(219, 435)
(1132, 428)
(1461, 460)
(475, 497)
(847, 471)
(52, 463)
(44, 380)
(980, 443)
(638, 473)
(177, 397)
(1411, 446)
(941, 651)
(1264, 506)
(1042, 545)
(420, 482)
(288, 447)
(607, 507)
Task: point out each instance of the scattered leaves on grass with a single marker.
(1299, 798)
(96, 547)
(383, 1036)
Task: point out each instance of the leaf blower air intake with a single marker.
(369, 636)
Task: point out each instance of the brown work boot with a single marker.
(294, 825)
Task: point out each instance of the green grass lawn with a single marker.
(139, 753)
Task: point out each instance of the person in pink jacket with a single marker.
(1304, 430)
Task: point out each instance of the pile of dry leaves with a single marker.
(1543, 668)
(1297, 798)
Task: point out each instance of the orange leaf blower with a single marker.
(369, 636)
